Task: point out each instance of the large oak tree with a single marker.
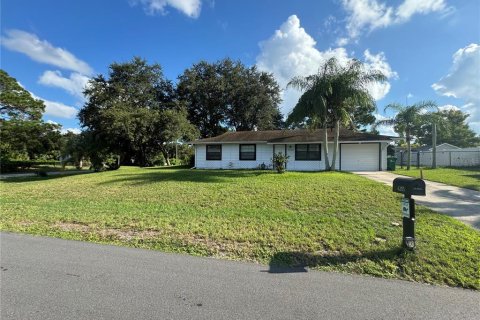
(23, 134)
(227, 95)
(451, 128)
(134, 112)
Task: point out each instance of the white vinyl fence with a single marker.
(450, 158)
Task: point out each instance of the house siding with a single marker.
(371, 156)
(231, 157)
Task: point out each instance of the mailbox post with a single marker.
(409, 187)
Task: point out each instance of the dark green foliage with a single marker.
(451, 128)
(228, 95)
(29, 140)
(279, 161)
(134, 113)
(8, 166)
(23, 135)
(104, 161)
(391, 151)
(16, 102)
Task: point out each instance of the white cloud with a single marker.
(411, 7)
(368, 15)
(385, 130)
(72, 130)
(74, 85)
(291, 52)
(191, 8)
(379, 62)
(463, 82)
(60, 110)
(448, 107)
(57, 109)
(42, 51)
(341, 42)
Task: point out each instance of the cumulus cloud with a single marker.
(379, 62)
(368, 15)
(42, 51)
(291, 52)
(463, 82)
(72, 130)
(385, 130)
(75, 84)
(57, 109)
(60, 110)
(190, 8)
(448, 107)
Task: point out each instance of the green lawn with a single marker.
(326, 221)
(468, 177)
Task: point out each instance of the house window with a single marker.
(248, 152)
(308, 152)
(214, 152)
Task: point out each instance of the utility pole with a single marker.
(434, 146)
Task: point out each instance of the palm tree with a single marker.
(331, 96)
(405, 121)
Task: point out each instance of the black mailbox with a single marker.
(408, 186)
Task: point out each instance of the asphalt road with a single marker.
(44, 278)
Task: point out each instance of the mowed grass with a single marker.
(325, 221)
(468, 177)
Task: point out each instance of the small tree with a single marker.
(279, 161)
(405, 121)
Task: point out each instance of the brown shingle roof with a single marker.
(290, 136)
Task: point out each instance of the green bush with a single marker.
(279, 161)
(102, 162)
(9, 166)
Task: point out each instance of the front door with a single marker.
(279, 148)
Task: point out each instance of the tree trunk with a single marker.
(79, 164)
(409, 151)
(434, 146)
(335, 145)
(165, 155)
(325, 146)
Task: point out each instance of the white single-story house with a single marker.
(358, 151)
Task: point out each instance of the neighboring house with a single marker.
(445, 147)
(251, 149)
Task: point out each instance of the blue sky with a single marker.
(429, 49)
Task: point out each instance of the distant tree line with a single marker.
(24, 136)
(135, 115)
(139, 115)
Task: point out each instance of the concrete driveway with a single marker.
(44, 278)
(460, 203)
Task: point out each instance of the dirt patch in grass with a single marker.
(219, 247)
(124, 235)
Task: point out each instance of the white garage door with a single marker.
(360, 157)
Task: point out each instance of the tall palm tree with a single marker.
(331, 97)
(405, 121)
